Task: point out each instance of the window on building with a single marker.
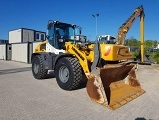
(10, 48)
(37, 36)
(42, 37)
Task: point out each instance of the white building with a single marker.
(23, 35)
(158, 46)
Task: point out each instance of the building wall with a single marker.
(15, 36)
(23, 43)
(158, 46)
(27, 35)
(2, 51)
(20, 52)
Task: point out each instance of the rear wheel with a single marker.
(68, 73)
(38, 69)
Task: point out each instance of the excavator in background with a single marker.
(111, 79)
(122, 31)
(138, 12)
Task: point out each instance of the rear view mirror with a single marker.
(80, 31)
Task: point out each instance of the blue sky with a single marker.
(34, 14)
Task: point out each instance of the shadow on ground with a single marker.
(142, 118)
(15, 70)
(51, 75)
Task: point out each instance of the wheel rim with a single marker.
(36, 68)
(64, 74)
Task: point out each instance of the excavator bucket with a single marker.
(114, 85)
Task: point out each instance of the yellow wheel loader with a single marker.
(111, 79)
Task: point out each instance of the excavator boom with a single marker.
(139, 11)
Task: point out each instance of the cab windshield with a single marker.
(66, 31)
(59, 33)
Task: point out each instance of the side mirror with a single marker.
(80, 32)
(47, 37)
(61, 40)
(49, 26)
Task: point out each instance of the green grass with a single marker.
(155, 55)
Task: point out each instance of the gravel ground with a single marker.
(24, 98)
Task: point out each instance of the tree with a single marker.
(155, 43)
(148, 43)
(132, 42)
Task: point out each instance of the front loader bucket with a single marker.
(113, 86)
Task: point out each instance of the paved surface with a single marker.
(24, 98)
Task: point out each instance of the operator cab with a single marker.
(58, 33)
(108, 39)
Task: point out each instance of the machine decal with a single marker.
(107, 50)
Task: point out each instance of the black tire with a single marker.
(38, 70)
(68, 73)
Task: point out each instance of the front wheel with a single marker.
(68, 73)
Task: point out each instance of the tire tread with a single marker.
(77, 72)
(42, 72)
